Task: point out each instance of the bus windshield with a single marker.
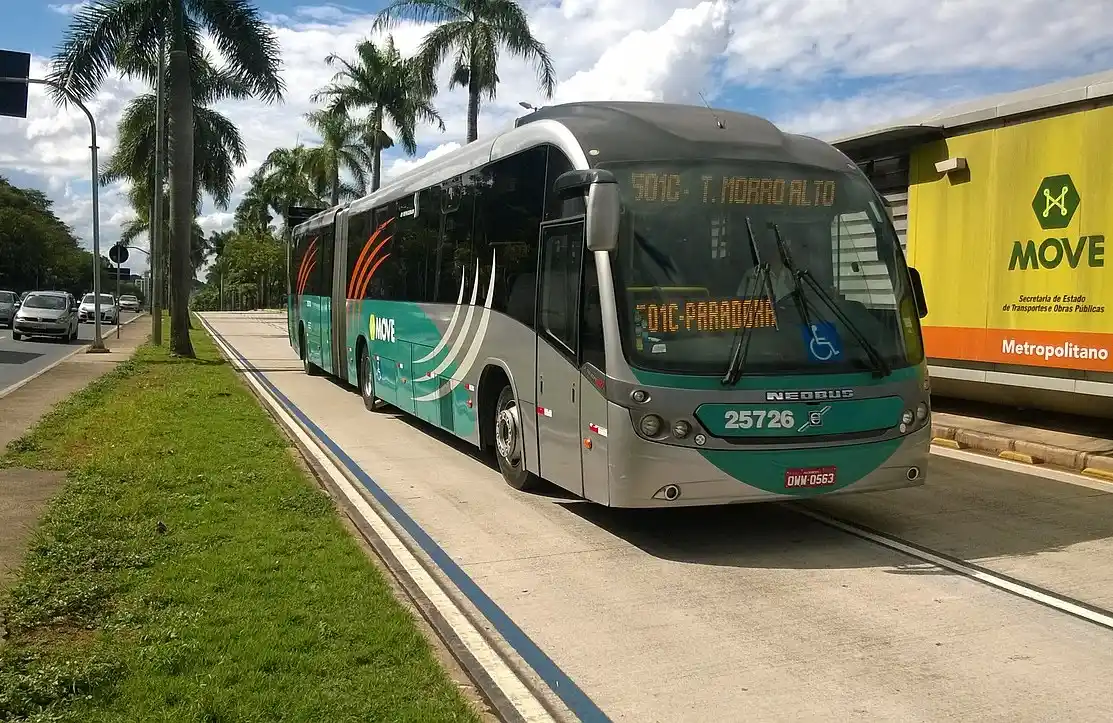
(685, 272)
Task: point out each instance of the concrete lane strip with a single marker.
(511, 686)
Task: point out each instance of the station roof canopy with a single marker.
(981, 110)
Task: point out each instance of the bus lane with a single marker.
(753, 611)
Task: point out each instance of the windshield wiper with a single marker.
(881, 367)
(761, 281)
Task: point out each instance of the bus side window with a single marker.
(592, 349)
(560, 271)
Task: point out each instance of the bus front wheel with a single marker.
(509, 442)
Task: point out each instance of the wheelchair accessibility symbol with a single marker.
(823, 341)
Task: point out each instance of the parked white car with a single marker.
(129, 302)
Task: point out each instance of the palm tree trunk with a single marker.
(377, 148)
(473, 99)
(473, 104)
(336, 183)
(181, 197)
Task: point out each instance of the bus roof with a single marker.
(598, 132)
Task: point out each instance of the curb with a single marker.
(84, 347)
(1098, 466)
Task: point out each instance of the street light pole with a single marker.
(97, 347)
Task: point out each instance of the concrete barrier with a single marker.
(1026, 451)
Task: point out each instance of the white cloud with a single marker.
(829, 117)
(862, 38)
(69, 8)
(671, 62)
(404, 165)
(816, 66)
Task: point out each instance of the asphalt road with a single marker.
(21, 359)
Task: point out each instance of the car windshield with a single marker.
(45, 301)
(7, 297)
(89, 299)
(685, 271)
(128, 298)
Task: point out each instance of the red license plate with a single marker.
(809, 477)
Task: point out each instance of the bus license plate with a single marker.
(809, 477)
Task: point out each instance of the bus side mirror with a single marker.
(603, 204)
(918, 292)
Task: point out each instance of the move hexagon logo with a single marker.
(1056, 202)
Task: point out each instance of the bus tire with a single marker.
(310, 368)
(509, 443)
(367, 381)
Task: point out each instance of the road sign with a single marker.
(13, 96)
(118, 253)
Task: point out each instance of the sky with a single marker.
(822, 67)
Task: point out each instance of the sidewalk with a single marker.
(1090, 455)
(24, 493)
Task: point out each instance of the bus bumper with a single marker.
(642, 477)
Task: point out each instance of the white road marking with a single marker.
(980, 574)
(503, 676)
(1035, 470)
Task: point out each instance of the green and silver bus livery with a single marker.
(644, 304)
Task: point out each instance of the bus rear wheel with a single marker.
(509, 443)
(367, 382)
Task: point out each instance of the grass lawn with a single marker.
(190, 571)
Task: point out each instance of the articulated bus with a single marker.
(644, 304)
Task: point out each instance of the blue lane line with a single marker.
(557, 680)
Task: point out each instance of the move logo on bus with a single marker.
(1055, 203)
(381, 328)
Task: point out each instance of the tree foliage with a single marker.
(38, 250)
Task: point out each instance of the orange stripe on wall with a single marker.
(1084, 351)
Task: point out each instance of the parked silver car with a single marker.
(46, 313)
(9, 302)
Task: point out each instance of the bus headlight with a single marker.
(921, 412)
(907, 417)
(681, 429)
(651, 425)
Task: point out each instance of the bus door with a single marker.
(338, 326)
(291, 303)
(558, 340)
(323, 300)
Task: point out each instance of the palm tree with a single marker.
(129, 35)
(475, 31)
(283, 180)
(218, 146)
(136, 228)
(343, 147)
(254, 210)
(391, 87)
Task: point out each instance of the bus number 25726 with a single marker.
(759, 419)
